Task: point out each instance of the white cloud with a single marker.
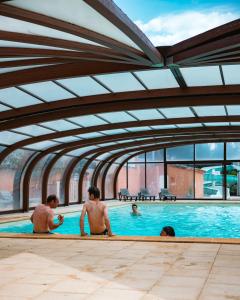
(173, 28)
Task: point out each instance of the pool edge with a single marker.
(124, 238)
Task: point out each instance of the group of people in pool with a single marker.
(96, 210)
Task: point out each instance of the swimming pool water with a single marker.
(196, 220)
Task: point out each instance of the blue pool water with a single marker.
(196, 220)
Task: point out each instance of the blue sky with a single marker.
(167, 22)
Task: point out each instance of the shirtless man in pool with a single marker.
(42, 217)
(97, 215)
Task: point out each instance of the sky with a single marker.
(167, 22)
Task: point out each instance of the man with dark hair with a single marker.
(135, 211)
(43, 216)
(167, 231)
(97, 214)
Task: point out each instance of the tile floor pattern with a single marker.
(75, 269)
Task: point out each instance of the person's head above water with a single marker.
(134, 207)
(167, 231)
(94, 193)
(52, 201)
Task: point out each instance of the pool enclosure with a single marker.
(85, 98)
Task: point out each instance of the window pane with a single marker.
(155, 178)
(154, 156)
(60, 125)
(10, 173)
(9, 138)
(177, 112)
(138, 158)
(73, 191)
(113, 81)
(233, 110)
(17, 98)
(117, 117)
(86, 121)
(180, 153)
(209, 181)
(35, 185)
(136, 178)
(87, 180)
(231, 74)
(181, 180)
(233, 150)
(146, 114)
(109, 181)
(55, 181)
(202, 76)
(205, 111)
(84, 86)
(158, 79)
(48, 91)
(210, 151)
(122, 179)
(33, 130)
(233, 181)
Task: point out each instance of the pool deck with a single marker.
(111, 270)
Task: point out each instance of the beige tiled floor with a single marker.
(77, 269)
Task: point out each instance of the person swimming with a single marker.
(167, 231)
(135, 211)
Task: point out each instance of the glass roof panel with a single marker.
(235, 123)
(135, 129)
(87, 121)
(90, 135)
(164, 126)
(9, 138)
(82, 150)
(67, 139)
(13, 69)
(114, 82)
(202, 76)
(231, 74)
(233, 110)
(33, 130)
(117, 117)
(17, 98)
(216, 124)
(177, 112)
(207, 111)
(60, 125)
(114, 131)
(13, 25)
(189, 125)
(3, 107)
(42, 145)
(83, 18)
(158, 79)
(146, 114)
(48, 91)
(84, 86)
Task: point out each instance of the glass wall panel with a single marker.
(87, 179)
(181, 180)
(122, 179)
(73, 188)
(35, 185)
(209, 181)
(233, 151)
(154, 156)
(109, 181)
(210, 151)
(138, 158)
(180, 153)
(155, 177)
(136, 177)
(10, 173)
(55, 181)
(233, 181)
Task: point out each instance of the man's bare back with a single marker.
(97, 214)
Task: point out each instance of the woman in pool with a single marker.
(167, 231)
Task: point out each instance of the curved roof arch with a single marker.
(68, 83)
